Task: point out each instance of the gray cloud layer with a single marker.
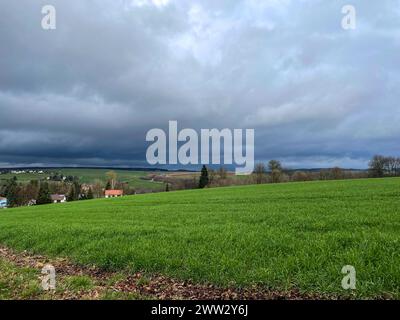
(87, 92)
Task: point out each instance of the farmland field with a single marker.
(133, 178)
(279, 237)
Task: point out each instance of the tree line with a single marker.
(273, 172)
(38, 192)
(22, 194)
(381, 166)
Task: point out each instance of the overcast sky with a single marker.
(86, 93)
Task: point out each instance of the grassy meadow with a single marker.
(280, 236)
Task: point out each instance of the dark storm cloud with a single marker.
(87, 92)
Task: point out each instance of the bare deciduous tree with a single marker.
(260, 173)
(223, 174)
(337, 173)
(275, 169)
(112, 177)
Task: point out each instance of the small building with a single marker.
(113, 193)
(3, 202)
(58, 198)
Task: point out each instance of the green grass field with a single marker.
(283, 236)
(134, 178)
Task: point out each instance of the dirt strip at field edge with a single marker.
(152, 287)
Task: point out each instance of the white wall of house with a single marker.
(60, 201)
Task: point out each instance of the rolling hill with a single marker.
(281, 236)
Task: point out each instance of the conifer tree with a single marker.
(11, 192)
(44, 194)
(203, 177)
(108, 185)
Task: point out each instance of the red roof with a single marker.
(114, 192)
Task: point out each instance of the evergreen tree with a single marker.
(44, 194)
(167, 187)
(203, 178)
(108, 185)
(11, 192)
(11, 184)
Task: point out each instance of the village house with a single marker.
(113, 193)
(3, 203)
(58, 198)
